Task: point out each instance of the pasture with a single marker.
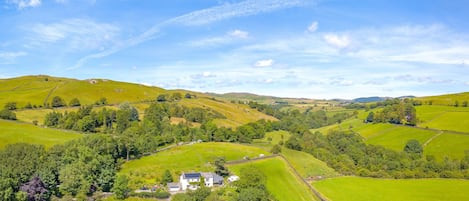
(281, 181)
(447, 144)
(186, 158)
(397, 137)
(370, 189)
(307, 165)
(16, 132)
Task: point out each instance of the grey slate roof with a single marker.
(194, 175)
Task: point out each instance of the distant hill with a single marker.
(241, 96)
(377, 99)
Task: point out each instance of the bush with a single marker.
(160, 194)
(7, 114)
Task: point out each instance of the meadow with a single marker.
(16, 132)
(280, 179)
(446, 100)
(369, 189)
(448, 144)
(186, 158)
(397, 137)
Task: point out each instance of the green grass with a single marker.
(447, 99)
(15, 132)
(276, 137)
(451, 145)
(187, 158)
(452, 121)
(307, 165)
(397, 137)
(281, 181)
(369, 189)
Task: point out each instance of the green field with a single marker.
(281, 181)
(14, 132)
(370, 189)
(447, 144)
(307, 165)
(451, 121)
(447, 99)
(187, 158)
(276, 137)
(397, 137)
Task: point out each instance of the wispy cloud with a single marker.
(313, 27)
(25, 3)
(229, 37)
(264, 63)
(75, 33)
(200, 17)
(9, 57)
(339, 41)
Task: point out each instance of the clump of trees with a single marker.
(401, 112)
(8, 111)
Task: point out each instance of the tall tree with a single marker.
(121, 187)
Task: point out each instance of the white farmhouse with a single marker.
(192, 180)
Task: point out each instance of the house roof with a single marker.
(193, 175)
(216, 178)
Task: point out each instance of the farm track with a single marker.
(433, 137)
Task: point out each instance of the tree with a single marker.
(10, 106)
(370, 117)
(121, 187)
(276, 149)
(220, 168)
(7, 114)
(7, 189)
(464, 104)
(101, 101)
(413, 147)
(293, 143)
(74, 102)
(35, 189)
(57, 102)
(161, 98)
(166, 177)
(188, 96)
(456, 103)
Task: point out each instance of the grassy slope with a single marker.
(397, 137)
(35, 90)
(447, 99)
(452, 145)
(305, 164)
(281, 181)
(14, 132)
(369, 189)
(196, 157)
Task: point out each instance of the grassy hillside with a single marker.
(187, 158)
(14, 132)
(448, 144)
(369, 189)
(38, 90)
(281, 181)
(307, 165)
(447, 99)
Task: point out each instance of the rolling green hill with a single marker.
(369, 189)
(446, 99)
(38, 90)
(14, 132)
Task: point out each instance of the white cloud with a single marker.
(76, 33)
(207, 74)
(229, 37)
(9, 57)
(25, 3)
(200, 17)
(313, 27)
(264, 63)
(239, 34)
(337, 40)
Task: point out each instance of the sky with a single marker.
(319, 49)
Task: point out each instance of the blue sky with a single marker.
(290, 48)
